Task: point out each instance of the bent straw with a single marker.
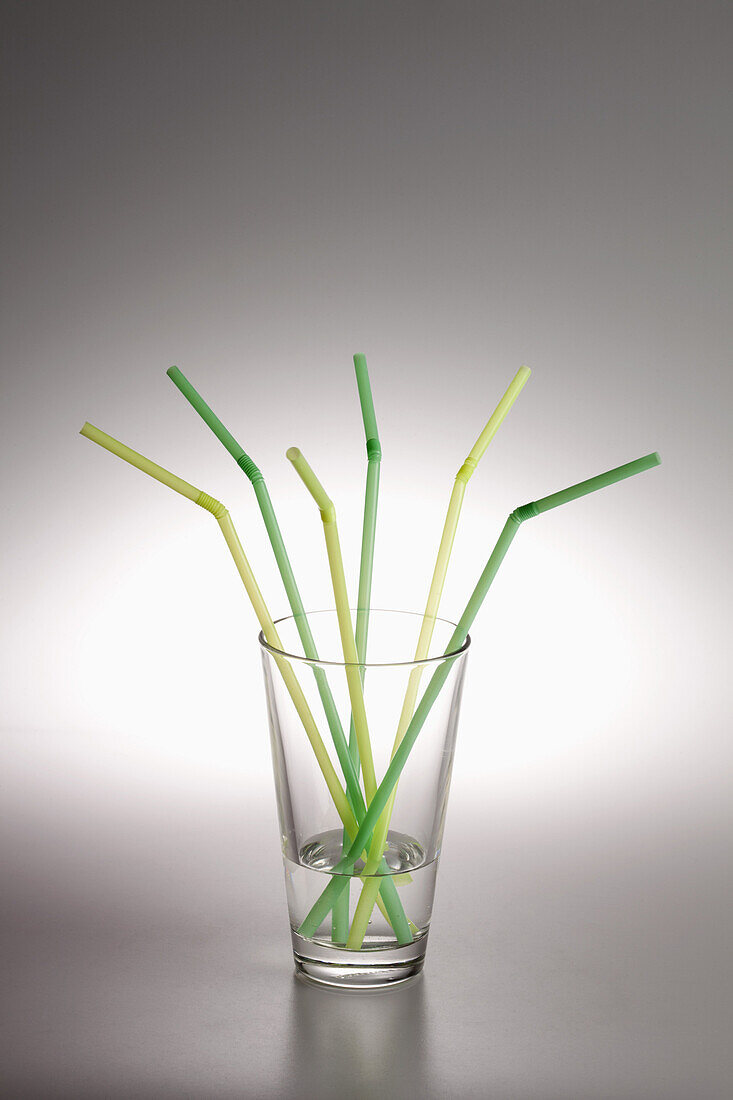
(396, 913)
(254, 474)
(527, 511)
(269, 629)
(361, 917)
(449, 531)
(340, 915)
(338, 579)
(389, 891)
(348, 758)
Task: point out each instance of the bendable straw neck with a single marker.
(211, 504)
(524, 511)
(250, 468)
(467, 470)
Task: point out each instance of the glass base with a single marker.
(359, 970)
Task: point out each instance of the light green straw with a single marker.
(344, 868)
(450, 527)
(397, 918)
(389, 903)
(348, 642)
(220, 513)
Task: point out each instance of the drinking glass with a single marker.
(312, 832)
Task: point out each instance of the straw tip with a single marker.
(172, 370)
(293, 454)
(86, 428)
(656, 458)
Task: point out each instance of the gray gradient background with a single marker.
(255, 191)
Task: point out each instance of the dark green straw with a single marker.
(344, 868)
(353, 790)
(286, 572)
(340, 915)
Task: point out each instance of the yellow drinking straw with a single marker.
(451, 523)
(369, 890)
(269, 629)
(348, 643)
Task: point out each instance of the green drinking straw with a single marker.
(254, 474)
(392, 907)
(340, 915)
(348, 759)
(348, 643)
(269, 630)
(369, 891)
(343, 869)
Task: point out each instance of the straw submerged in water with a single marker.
(322, 906)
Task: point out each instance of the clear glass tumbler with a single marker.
(375, 934)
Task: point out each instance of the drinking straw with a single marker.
(348, 755)
(254, 474)
(269, 630)
(526, 511)
(392, 904)
(348, 643)
(449, 531)
(431, 610)
(340, 913)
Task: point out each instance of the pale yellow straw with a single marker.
(346, 630)
(269, 630)
(369, 890)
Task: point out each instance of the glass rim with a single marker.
(265, 645)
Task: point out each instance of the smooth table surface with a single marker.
(568, 959)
